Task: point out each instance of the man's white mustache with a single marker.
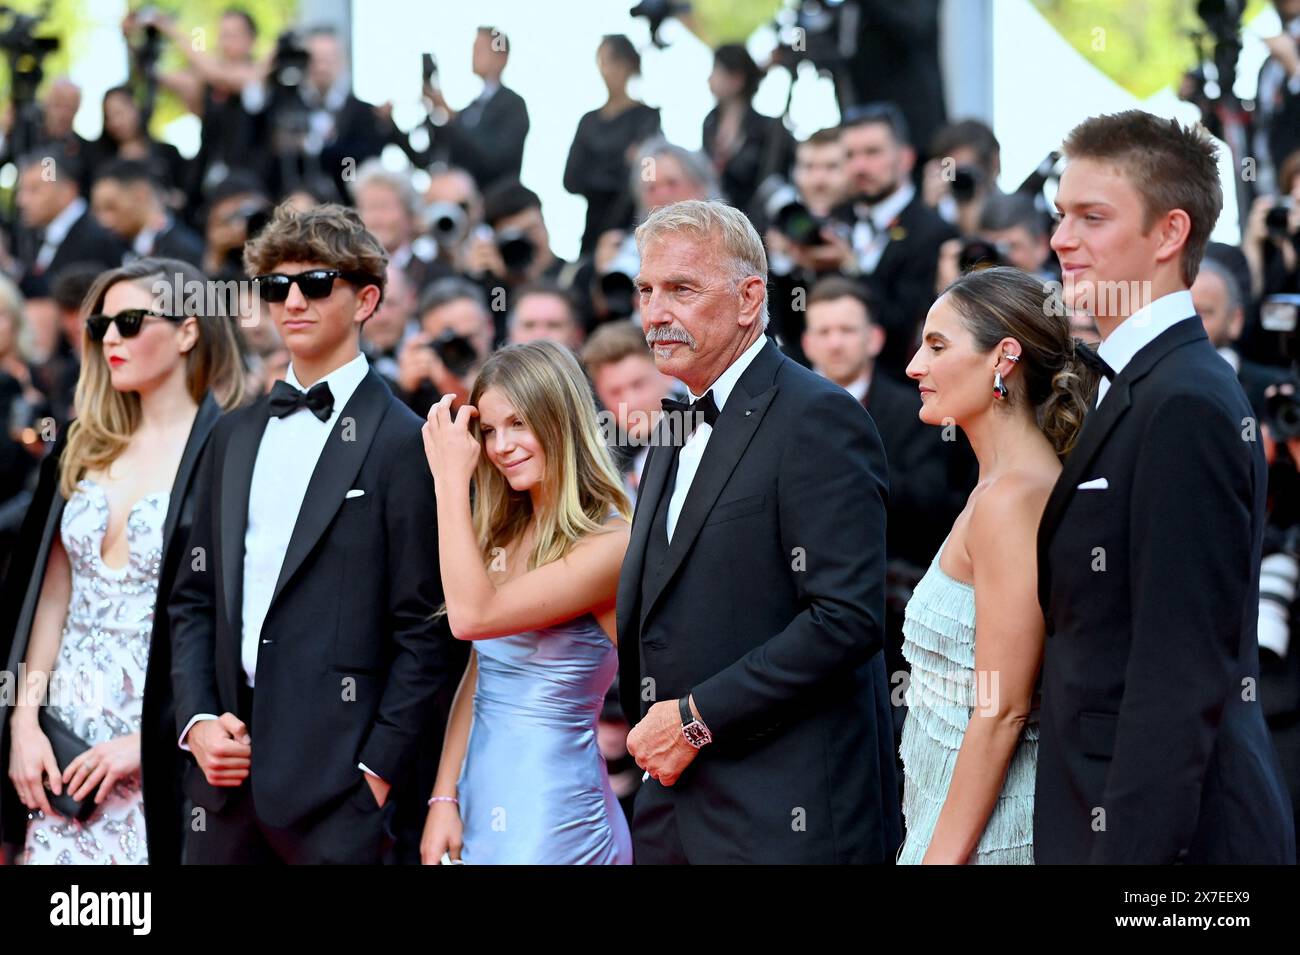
(680, 335)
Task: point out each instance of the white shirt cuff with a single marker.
(366, 769)
(186, 732)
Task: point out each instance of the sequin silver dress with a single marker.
(98, 679)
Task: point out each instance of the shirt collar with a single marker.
(1229, 354)
(859, 388)
(884, 212)
(727, 380)
(61, 224)
(1144, 326)
(343, 381)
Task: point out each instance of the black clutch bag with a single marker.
(67, 746)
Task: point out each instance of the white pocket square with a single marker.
(355, 492)
(1097, 484)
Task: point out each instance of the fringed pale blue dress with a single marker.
(939, 644)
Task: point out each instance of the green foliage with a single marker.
(1140, 44)
(730, 21)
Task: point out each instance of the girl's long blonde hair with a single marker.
(548, 390)
(107, 418)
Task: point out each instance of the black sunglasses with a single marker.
(314, 283)
(129, 322)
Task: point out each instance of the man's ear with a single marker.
(1175, 228)
(367, 301)
(753, 290)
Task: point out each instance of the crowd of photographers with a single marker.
(864, 226)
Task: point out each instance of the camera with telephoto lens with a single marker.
(517, 250)
(456, 352)
(447, 222)
(785, 210)
(1278, 218)
(966, 181)
(617, 282)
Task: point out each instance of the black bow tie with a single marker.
(286, 399)
(701, 409)
(1088, 355)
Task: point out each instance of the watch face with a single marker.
(696, 734)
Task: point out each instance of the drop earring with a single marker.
(1000, 388)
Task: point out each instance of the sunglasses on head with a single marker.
(129, 322)
(314, 283)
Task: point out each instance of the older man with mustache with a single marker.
(751, 602)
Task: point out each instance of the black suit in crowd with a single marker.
(1153, 745)
(902, 283)
(351, 660)
(161, 761)
(87, 242)
(484, 139)
(768, 606)
(179, 241)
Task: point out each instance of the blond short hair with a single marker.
(724, 227)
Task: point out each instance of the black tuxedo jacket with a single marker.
(161, 761)
(769, 607)
(351, 659)
(902, 284)
(86, 242)
(1153, 746)
(490, 149)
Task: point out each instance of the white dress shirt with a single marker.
(286, 460)
(859, 387)
(871, 234)
(57, 231)
(693, 450)
(1141, 329)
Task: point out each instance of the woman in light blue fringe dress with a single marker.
(970, 741)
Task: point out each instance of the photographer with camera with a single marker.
(1011, 231)
(56, 113)
(453, 209)
(962, 172)
(661, 174)
(487, 136)
(390, 209)
(512, 249)
(237, 206)
(883, 234)
(1270, 238)
(455, 338)
(1279, 579)
(225, 89)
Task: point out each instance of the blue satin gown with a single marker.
(533, 788)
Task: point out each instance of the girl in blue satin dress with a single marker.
(530, 573)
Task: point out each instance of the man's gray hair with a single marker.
(724, 227)
(695, 165)
(374, 172)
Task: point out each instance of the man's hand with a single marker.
(378, 787)
(100, 768)
(223, 749)
(657, 743)
(833, 255)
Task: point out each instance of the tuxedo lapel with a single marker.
(236, 481)
(207, 415)
(340, 461)
(736, 425)
(653, 478)
(1097, 428)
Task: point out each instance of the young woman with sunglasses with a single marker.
(91, 647)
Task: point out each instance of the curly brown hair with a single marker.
(330, 234)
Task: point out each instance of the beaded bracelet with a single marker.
(433, 799)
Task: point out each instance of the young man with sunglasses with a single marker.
(307, 660)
